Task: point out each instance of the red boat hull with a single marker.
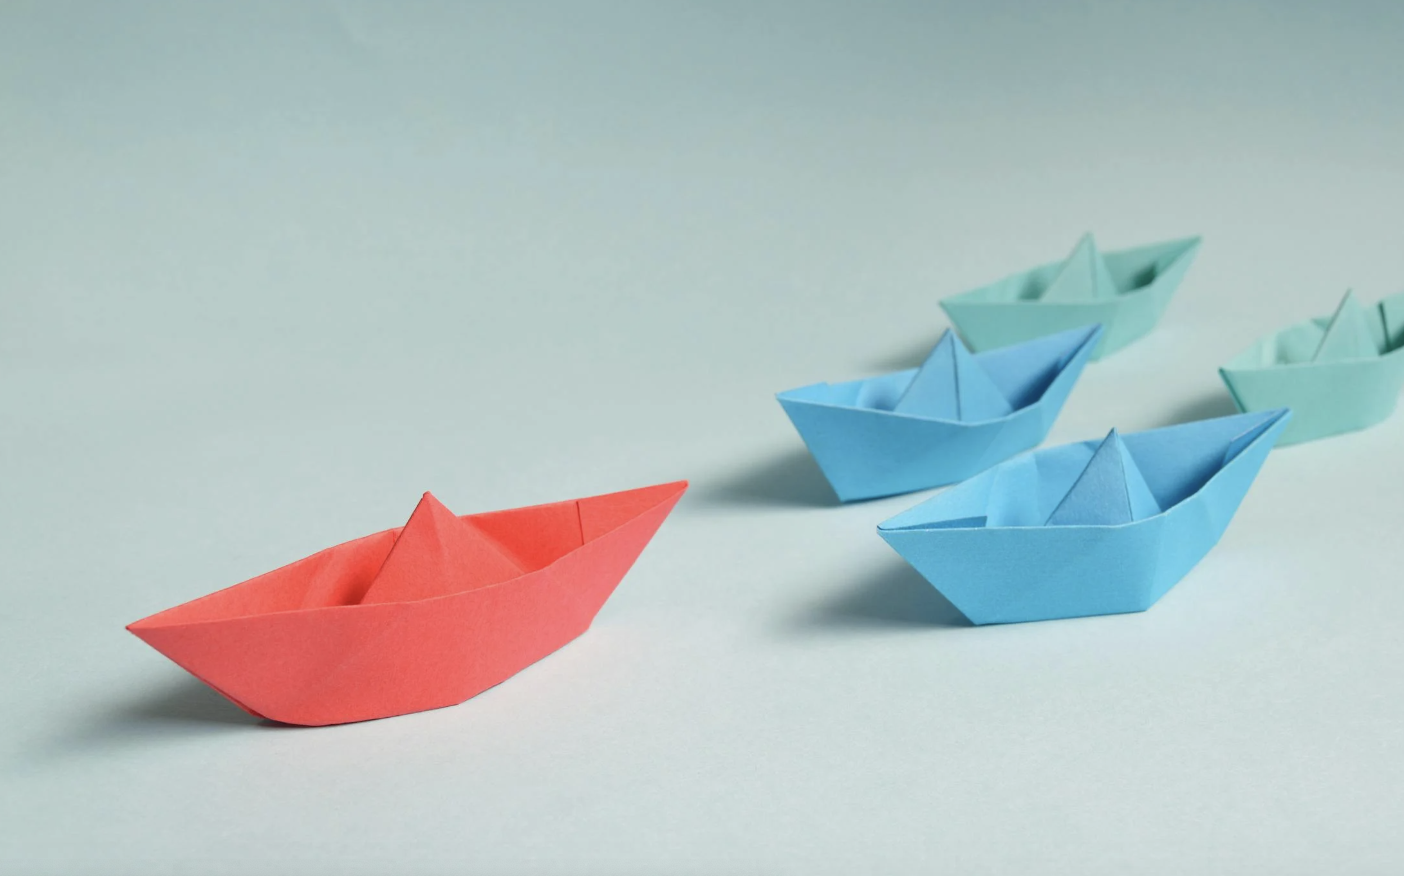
(293, 645)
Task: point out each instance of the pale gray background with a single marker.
(268, 273)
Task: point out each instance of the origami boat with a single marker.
(414, 618)
(1089, 528)
(1337, 374)
(1125, 291)
(956, 415)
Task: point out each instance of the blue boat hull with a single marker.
(866, 452)
(984, 547)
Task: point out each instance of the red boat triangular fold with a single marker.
(438, 554)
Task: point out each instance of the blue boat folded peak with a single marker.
(1096, 527)
(955, 416)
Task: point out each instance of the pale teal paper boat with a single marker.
(1337, 373)
(1125, 291)
(1098, 527)
(956, 415)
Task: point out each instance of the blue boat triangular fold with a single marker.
(1083, 277)
(951, 385)
(1110, 491)
(932, 392)
(1348, 334)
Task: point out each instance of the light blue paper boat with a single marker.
(1089, 528)
(1337, 374)
(1125, 291)
(954, 416)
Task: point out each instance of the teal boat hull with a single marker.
(1326, 398)
(1009, 311)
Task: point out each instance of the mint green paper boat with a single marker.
(1337, 373)
(1126, 291)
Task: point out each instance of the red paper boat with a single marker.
(414, 618)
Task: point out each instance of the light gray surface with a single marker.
(267, 274)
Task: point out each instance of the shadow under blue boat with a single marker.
(892, 596)
(790, 479)
(904, 358)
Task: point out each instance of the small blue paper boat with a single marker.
(1125, 291)
(1337, 374)
(956, 415)
(1089, 528)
